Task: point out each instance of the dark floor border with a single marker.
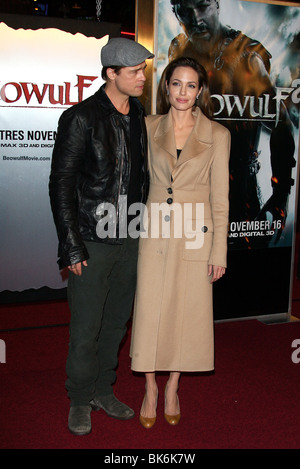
(33, 295)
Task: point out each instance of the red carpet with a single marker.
(31, 315)
(251, 401)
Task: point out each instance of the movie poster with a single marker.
(39, 80)
(251, 52)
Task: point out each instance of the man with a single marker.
(238, 69)
(100, 158)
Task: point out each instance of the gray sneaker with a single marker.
(113, 407)
(80, 420)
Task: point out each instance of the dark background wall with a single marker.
(112, 11)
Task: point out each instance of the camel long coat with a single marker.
(173, 314)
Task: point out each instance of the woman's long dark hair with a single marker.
(204, 101)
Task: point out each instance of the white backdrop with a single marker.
(43, 72)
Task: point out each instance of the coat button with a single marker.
(204, 229)
(170, 190)
(167, 218)
(169, 201)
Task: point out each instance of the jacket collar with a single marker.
(108, 106)
(198, 141)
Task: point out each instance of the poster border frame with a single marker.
(146, 27)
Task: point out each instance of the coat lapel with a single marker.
(164, 135)
(199, 140)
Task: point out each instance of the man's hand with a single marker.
(76, 268)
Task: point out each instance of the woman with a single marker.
(189, 179)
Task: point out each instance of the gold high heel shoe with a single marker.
(147, 422)
(172, 419)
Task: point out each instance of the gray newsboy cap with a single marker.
(122, 52)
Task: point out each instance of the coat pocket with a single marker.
(198, 240)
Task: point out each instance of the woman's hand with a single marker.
(216, 272)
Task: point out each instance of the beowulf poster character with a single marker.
(250, 52)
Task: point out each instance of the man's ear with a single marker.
(111, 74)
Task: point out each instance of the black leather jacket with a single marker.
(90, 165)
